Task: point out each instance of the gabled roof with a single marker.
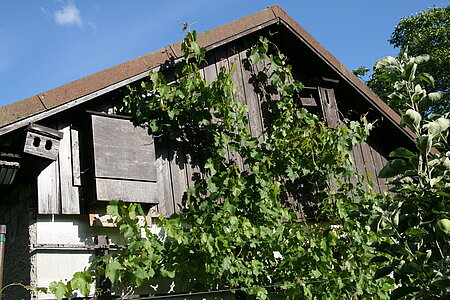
(45, 104)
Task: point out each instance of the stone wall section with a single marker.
(18, 213)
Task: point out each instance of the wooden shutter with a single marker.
(57, 188)
(124, 160)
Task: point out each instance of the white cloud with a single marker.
(68, 15)
(44, 11)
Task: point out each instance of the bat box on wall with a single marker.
(124, 160)
(42, 141)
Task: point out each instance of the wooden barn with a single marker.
(66, 152)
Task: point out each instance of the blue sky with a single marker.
(47, 43)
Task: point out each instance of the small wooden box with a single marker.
(42, 141)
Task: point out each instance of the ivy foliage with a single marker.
(290, 222)
(415, 225)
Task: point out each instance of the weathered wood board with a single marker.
(121, 150)
(70, 198)
(329, 106)
(165, 198)
(48, 190)
(74, 135)
(57, 193)
(126, 190)
(124, 160)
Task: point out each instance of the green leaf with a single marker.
(420, 59)
(433, 100)
(127, 230)
(403, 291)
(384, 271)
(416, 232)
(387, 232)
(196, 48)
(446, 163)
(412, 119)
(139, 272)
(82, 281)
(438, 126)
(410, 72)
(379, 259)
(167, 273)
(59, 289)
(426, 78)
(424, 144)
(436, 97)
(210, 165)
(113, 208)
(256, 56)
(393, 168)
(154, 127)
(441, 281)
(112, 271)
(409, 268)
(387, 61)
(402, 153)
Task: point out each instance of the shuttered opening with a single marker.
(124, 160)
(122, 166)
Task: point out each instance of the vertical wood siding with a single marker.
(173, 158)
(59, 184)
(70, 198)
(56, 184)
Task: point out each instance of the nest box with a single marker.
(42, 141)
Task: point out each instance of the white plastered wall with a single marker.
(60, 264)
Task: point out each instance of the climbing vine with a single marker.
(277, 216)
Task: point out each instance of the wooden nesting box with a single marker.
(42, 141)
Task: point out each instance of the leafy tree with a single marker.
(407, 87)
(243, 228)
(361, 72)
(415, 224)
(427, 32)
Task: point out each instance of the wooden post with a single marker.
(2, 254)
(102, 282)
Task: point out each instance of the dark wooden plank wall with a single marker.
(329, 106)
(173, 162)
(178, 171)
(174, 173)
(369, 162)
